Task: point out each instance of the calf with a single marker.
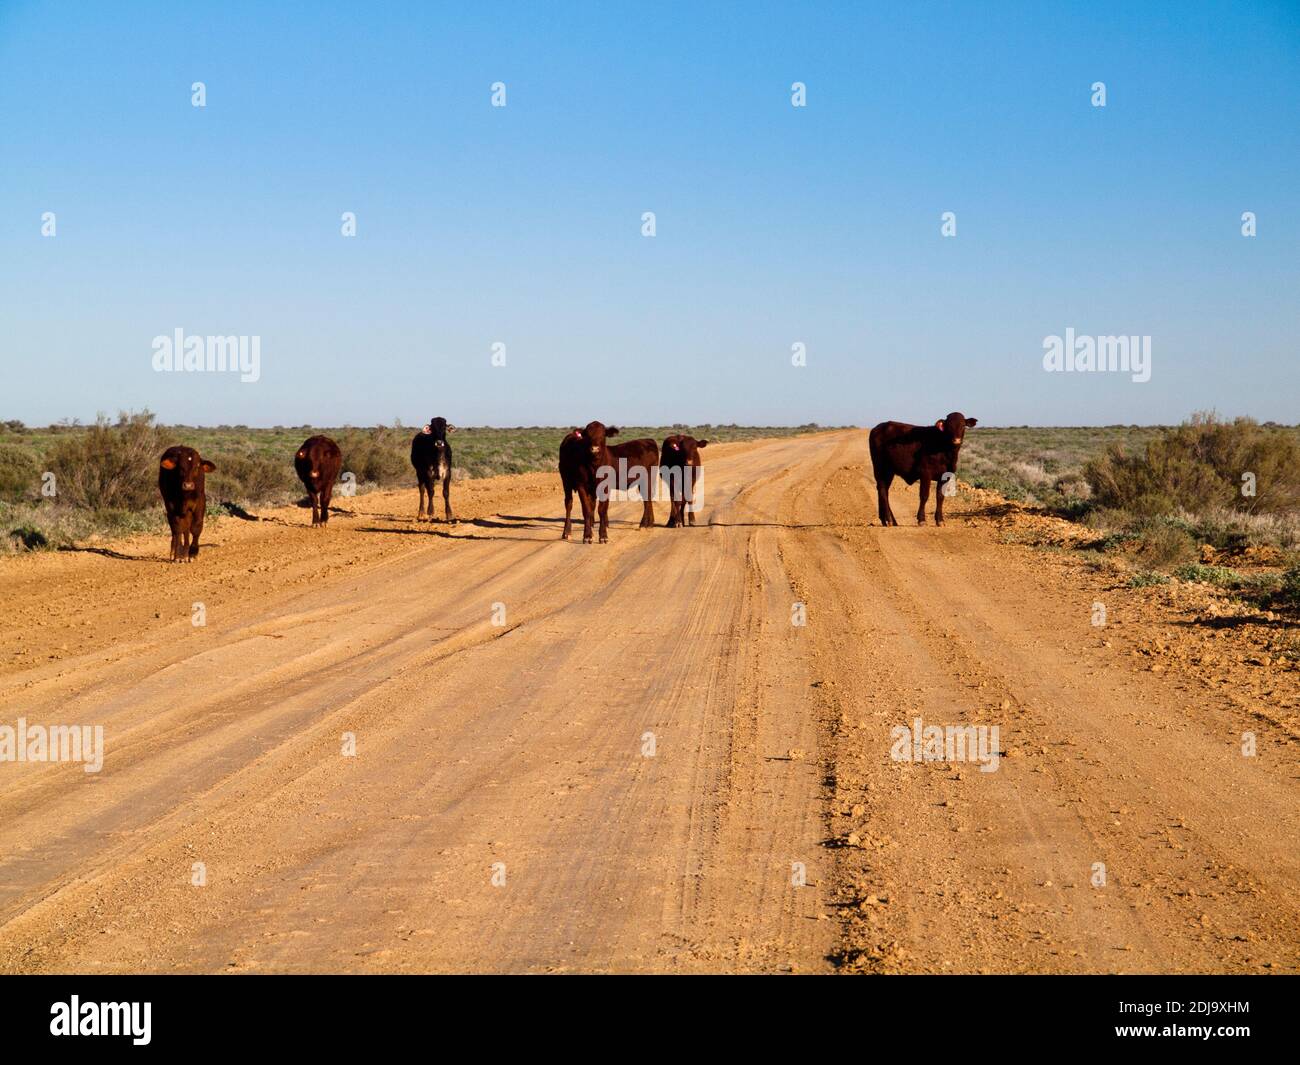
(582, 454)
(318, 463)
(680, 470)
(912, 452)
(431, 457)
(635, 463)
(180, 483)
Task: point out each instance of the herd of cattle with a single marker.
(590, 467)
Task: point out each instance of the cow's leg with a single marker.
(882, 501)
(419, 516)
(446, 498)
(196, 528)
(925, 498)
(326, 497)
(176, 538)
(588, 512)
(647, 503)
(568, 513)
(940, 485)
(603, 507)
(688, 507)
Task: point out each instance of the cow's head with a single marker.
(317, 456)
(189, 467)
(438, 428)
(681, 444)
(954, 427)
(594, 437)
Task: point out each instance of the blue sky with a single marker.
(775, 224)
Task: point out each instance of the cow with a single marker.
(181, 473)
(914, 452)
(431, 457)
(582, 453)
(680, 470)
(625, 460)
(318, 462)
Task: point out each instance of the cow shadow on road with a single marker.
(511, 522)
(119, 555)
(445, 535)
(766, 525)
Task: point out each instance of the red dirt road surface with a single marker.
(630, 757)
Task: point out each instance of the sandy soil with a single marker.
(628, 758)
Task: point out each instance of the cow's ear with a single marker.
(701, 443)
(939, 424)
(451, 428)
(208, 467)
(972, 421)
(577, 432)
(612, 431)
(168, 464)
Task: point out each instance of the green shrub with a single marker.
(250, 478)
(111, 466)
(1289, 593)
(1220, 575)
(1146, 579)
(380, 456)
(1198, 467)
(20, 473)
(1163, 544)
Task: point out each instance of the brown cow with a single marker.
(318, 462)
(634, 464)
(582, 453)
(180, 483)
(680, 470)
(925, 453)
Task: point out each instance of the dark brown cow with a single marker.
(625, 461)
(582, 454)
(318, 462)
(431, 457)
(180, 483)
(917, 452)
(680, 469)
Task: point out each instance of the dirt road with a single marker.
(626, 757)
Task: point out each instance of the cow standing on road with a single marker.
(912, 452)
(318, 462)
(431, 457)
(680, 470)
(582, 454)
(181, 474)
(635, 463)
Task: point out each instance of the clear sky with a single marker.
(775, 224)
